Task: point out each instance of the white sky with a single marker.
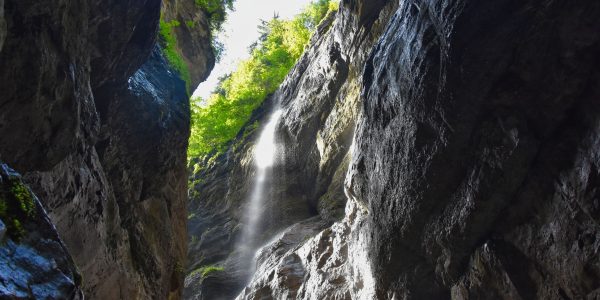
(240, 31)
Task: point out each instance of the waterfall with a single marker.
(265, 156)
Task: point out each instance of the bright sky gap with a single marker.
(241, 30)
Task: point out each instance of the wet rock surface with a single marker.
(132, 207)
(217, 193)
(474, 169)
(313, 260)
(43, 81)
(472, 140)
(152, 193)
(97, 122)
(319, 101)
(34, 262)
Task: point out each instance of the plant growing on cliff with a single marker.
(168, 44)
(216, 11)
(17, 205)
(205, 271)
(219, 119)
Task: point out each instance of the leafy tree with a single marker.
(216, 10)
(218, 119)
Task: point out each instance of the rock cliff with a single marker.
(464, 135)
(34, 262)
(193, 36)
(97, 122)
(476, 155)
(320, 103)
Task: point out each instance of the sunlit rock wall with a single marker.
(475, 161)
(474, 170)
(320, 102)
(477, 151)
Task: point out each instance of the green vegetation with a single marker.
(190, 24)
(207, 270)
(224, 114)
(216, 10)
(168, 44)
(16, 206)
(179, 267)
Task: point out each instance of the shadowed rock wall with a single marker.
(97, 122)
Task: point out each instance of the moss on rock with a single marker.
(17, 206)
(206, 271)
(168, 42)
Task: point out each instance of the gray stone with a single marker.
(34, 264)
(2, 230)
(320, 103)
(97, 122)
(476, 151)
(474, 167)
(193, 42)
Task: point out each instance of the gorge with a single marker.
(416, 149)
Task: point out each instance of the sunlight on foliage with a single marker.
(205, 271)
(218, 120)
(216, 11)
(168, 44)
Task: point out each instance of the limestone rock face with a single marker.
(97, 122)
(122, 35)
(474, 160)
(152, 148)
(308, 261)
(320, 102)
(34, 262)
(193, 37)
(476, 153)
(129, 190)
(44, 79)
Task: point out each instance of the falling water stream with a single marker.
(265, 156)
